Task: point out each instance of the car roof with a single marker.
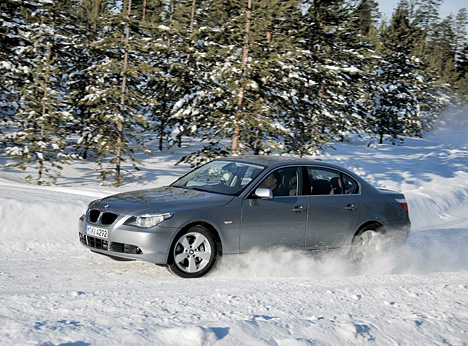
(273, 161)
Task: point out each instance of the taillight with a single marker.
(403, 203)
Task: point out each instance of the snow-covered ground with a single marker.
(55, 292)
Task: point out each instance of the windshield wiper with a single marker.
(197, 189)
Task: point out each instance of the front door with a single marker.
(279, 221)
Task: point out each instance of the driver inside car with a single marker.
(271, 182)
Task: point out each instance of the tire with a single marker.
(193, 253)
(368, 243)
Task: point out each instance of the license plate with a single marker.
(96, 232)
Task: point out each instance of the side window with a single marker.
(325, 181)
(284, 182)
(350, 185)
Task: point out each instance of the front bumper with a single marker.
(131, 243)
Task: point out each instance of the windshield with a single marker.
(224, 177)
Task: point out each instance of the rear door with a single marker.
(334, 203)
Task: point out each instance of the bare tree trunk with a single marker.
(171, 18)
(44, 111)
(194, 2)
(118, 155)
(44, 103)
(240, 94)
(96, 5)
(192, 21)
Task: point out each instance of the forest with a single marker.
(98, 79)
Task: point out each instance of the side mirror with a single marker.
(263, 193)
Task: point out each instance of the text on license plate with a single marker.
(96, 232)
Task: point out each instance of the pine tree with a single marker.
(155, 102)
(193, 21)
(323, 85)
(365, 17)
(461, 55)
(460, 30)
(441, 48)
(82, 56)
(403, 102)
(40, 140)
(427, 15)
(441, 43)
(236, 97)
(172, 59)
(12, 68)
(112, 95)
(273, 49)
(461, 85)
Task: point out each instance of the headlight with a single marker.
(147, 220)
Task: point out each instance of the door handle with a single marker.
(298, 209)
(350, 207)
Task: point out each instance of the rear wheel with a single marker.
(368, 244)
(193, 253)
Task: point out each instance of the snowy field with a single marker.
(55, 292)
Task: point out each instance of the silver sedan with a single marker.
(233, 205)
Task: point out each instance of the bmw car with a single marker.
(240, 204)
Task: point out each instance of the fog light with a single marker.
(132, 249)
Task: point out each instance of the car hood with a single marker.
(159, 200)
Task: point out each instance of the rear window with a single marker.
(325, 181)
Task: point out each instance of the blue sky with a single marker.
(448, 6)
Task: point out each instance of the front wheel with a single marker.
(193, 254)
(368, 244)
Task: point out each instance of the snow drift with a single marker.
(55, 292)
